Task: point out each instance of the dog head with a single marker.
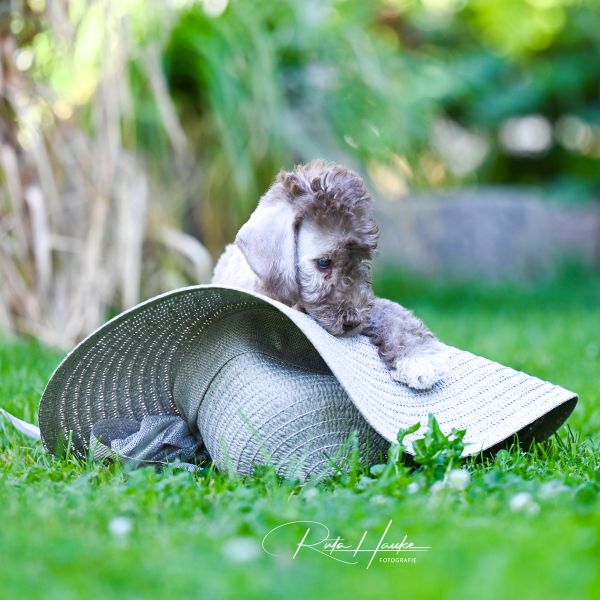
(311, 240)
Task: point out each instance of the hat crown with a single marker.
(257, 392)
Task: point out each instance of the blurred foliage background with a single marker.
(138, 135)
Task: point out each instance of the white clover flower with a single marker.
(458, 479)
(437, 487)
(310, 493)
(552, 488)
(413, 487)
(120, 526)
(379, 499)
(520, 501)
(523, 502)
(241, 549)
(215, 8)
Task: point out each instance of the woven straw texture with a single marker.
(257, 381)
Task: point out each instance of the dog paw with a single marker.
(420, 371)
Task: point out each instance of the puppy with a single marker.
(309, 244)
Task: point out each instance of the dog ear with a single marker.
(268, 242)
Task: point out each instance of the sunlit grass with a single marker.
(519, 521)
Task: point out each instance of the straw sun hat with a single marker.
(223, 374)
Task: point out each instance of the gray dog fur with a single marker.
(309, 244)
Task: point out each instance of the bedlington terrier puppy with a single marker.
(309, 244)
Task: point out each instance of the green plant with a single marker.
(437, 453)
(82, 227)
(105, 530)
(267, 84)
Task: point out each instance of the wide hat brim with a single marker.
(126, 369)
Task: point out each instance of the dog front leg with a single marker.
(413, 354)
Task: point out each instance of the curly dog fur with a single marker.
(309, 244)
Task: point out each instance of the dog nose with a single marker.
(350, 324)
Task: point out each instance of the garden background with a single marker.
(136, 137)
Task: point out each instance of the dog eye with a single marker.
(324, 263)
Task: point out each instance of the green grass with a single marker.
(199, 535)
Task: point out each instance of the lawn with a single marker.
(525, 524)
